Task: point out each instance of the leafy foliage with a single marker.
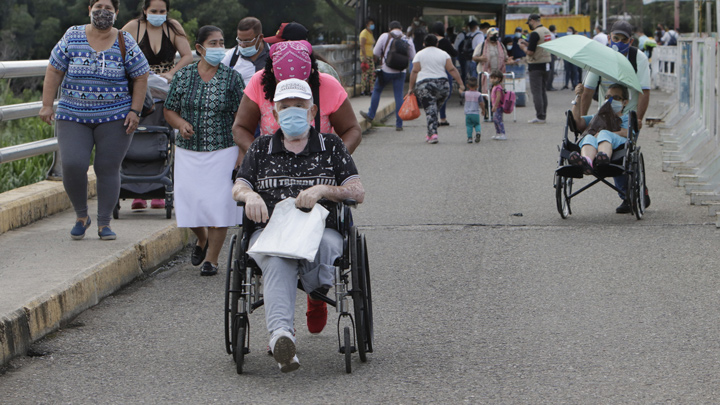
(26, 171)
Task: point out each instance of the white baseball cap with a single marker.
(292, 88)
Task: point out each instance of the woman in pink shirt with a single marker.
(294, 59)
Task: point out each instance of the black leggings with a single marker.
(76, 143)
(432, 93)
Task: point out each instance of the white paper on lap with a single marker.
(291, 233)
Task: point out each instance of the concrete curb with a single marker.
(25, 205)
(48, 312)
(381, 114)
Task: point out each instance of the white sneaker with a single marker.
(536, 121)
(494, 137)
(282, 343)
(501, 138)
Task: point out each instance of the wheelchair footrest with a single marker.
(316, 295)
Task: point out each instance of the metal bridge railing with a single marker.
(342, 57)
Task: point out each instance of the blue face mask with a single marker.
(294, 121)
(620, 46)
(617, 105)
(372, 27)
(214, 56)
(156, 19)
(249, 51)
(518, 34)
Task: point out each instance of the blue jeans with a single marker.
(442, 108)
(471, 69)
(398, 84)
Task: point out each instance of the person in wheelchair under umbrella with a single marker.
(299, 162)
(596, 150)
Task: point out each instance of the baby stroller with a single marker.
(147, 169)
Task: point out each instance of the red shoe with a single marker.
(157, 203)
(138, 204)
(316, 315)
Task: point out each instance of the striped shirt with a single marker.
(95, 86)
(276, 173)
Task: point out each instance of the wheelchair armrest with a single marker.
(350, 203)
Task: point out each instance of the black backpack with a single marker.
(466, 47)
(398, 57)
(673, 40)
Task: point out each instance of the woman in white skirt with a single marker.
(201, 105)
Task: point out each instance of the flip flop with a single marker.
(602, 159)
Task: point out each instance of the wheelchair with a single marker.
(625, 160)
(243, 291)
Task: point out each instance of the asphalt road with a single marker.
(482, 294)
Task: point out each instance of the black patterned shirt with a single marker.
(276, 173)
(209, 107)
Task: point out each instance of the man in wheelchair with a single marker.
(299, 162)
(596, 150)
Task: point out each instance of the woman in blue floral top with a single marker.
(201, 105)
(95, 109)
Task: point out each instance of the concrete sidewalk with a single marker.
(46, 278)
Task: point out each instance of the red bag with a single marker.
(409, 110)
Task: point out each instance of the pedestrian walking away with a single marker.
(498, 95)
(96, 109)
(428, 80)
(538, 60)
(294, 59)
(159, 38)
(474, 104)
(291, 153)
(395, 51)
(205, 153)
(367, 59)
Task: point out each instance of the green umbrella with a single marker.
(591, 55)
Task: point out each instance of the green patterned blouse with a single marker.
(210, 107)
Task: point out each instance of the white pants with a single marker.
(280, 278)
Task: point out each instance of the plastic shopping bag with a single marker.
(291, 233)
(409, 110)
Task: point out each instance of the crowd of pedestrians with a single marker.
(270, 108)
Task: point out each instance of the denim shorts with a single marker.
(603, 136)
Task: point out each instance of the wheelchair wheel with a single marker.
(239, 341)
(347, 350)
(637, 183)
(563, 189)
(116, 210)
(357, 258)
(229, 313)
(369, 331)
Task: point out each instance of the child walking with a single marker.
(497, 95)
(473, 104)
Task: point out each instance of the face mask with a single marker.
(494, 38)
(102, 19)
(619, 46)
(509, 47)
(416, 22)
(294, 121)
(372, 27)
(617, 105)
(518, 34)
(214, 56)
(156, 19)
(569, 33)
(248, 52)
